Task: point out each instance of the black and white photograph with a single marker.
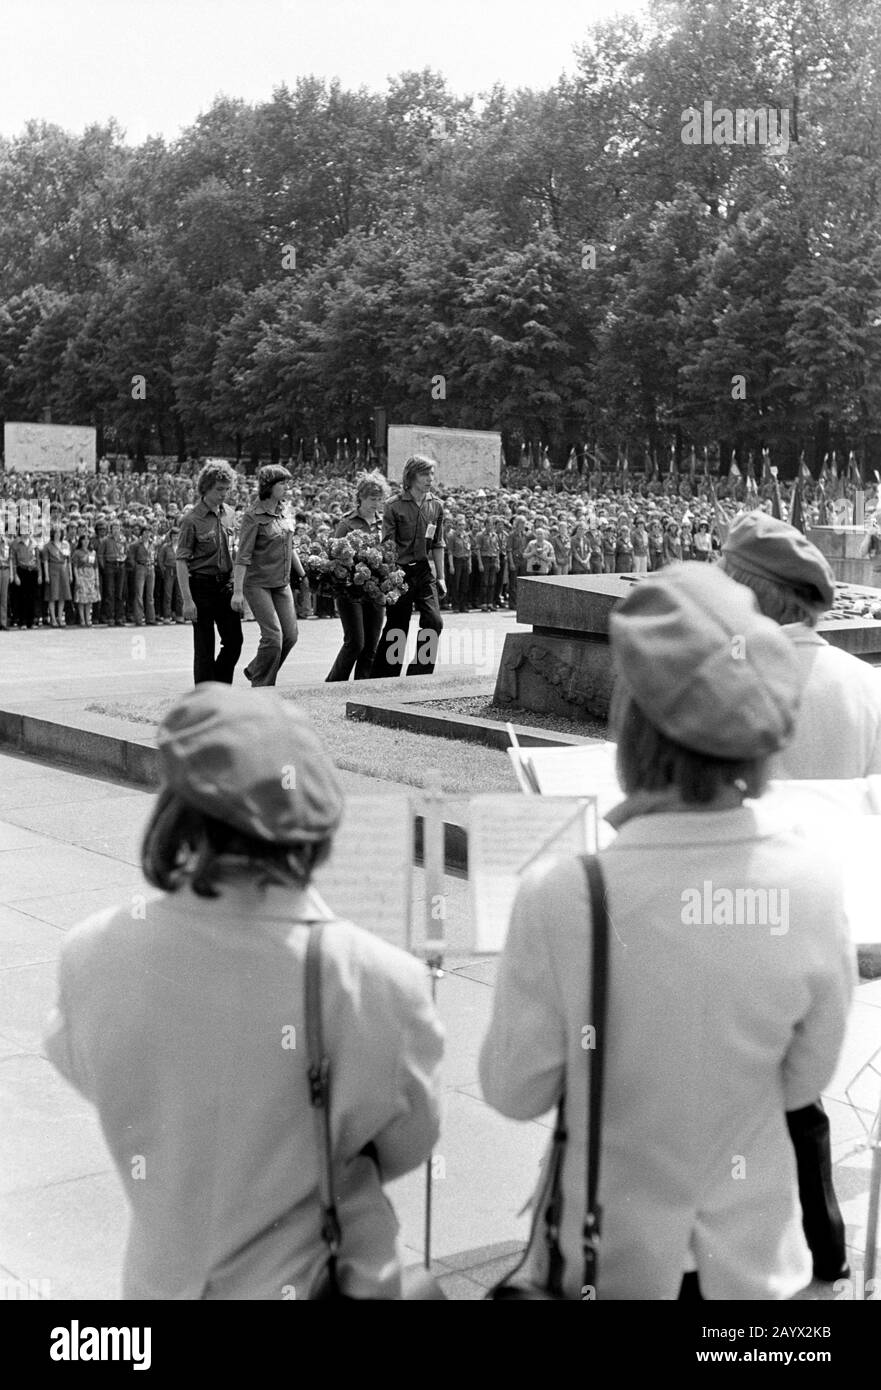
(471, 892)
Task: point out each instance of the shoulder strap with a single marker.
(319, 1095)
(596, 1068)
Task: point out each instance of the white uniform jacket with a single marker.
(715, 1030)
(186, 1030)
(838, 728)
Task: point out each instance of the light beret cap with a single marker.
(251, 760)
(704, 665)
(772, 549)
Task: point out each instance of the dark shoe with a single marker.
(825, 1276)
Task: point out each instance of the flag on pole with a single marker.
(672, 469)
(723, 525)
(734, 471)
(804, 472)
(854, 473)
(706, 462)
(766, 467)
(797, 517)
(692, 462)
(822, 504)
(572, 461)
(776, 500)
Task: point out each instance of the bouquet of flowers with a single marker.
(355, 568)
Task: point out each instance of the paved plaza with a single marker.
(69, 845)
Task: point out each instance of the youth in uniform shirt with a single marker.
(416, 529)
(205, 543)
(266, 546)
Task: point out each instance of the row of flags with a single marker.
(537, 456)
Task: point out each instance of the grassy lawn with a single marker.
(395, 754)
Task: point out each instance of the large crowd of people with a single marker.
(100, 551)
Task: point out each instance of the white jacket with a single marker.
(714, 1032)
(187, 1031)
(838, 729)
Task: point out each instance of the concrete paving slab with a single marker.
(56, 1137)
(25, 940)
(70, 1233)
(28, 784)
(14, 837)
(75, 870)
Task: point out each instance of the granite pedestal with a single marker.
(564, 666)
(841, 546)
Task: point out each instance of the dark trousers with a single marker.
(821, 1216)
(461, 571)
(490, 575)
(362, 625)
(171, 595)
(113, 592)
(27, 598)
(422, 595)
(212, 599)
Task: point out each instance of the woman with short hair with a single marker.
(56, 565)
(362, 617)
(186, 1028)
(262, 574)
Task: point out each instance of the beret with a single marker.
(762, 545)
(252, 761)
(704, 665)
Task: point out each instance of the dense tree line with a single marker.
(556, 264)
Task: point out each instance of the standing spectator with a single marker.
(85, 580)
(538, 557)
(176, 1028)
(562, 544)
(5, 575)
(166, 571)
(837, 735)
(27, 576)
(111, 565)
(610, 546)
(204, 572)
(656, 545)
(695, 729)
(459, 551)
(262, 574)
(361, 617)
(488, 551)
(502, 578)
(702, 545)
(672, 544)
(143, 553)
(415, 522)
(640, 539)
(57, 573)
(580, 563)
(624, 555)
(517, 543)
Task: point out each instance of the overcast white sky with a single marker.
(155, 64)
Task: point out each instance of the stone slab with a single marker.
(557, 675)
(571, 602)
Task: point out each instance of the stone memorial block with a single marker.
(564, 666)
